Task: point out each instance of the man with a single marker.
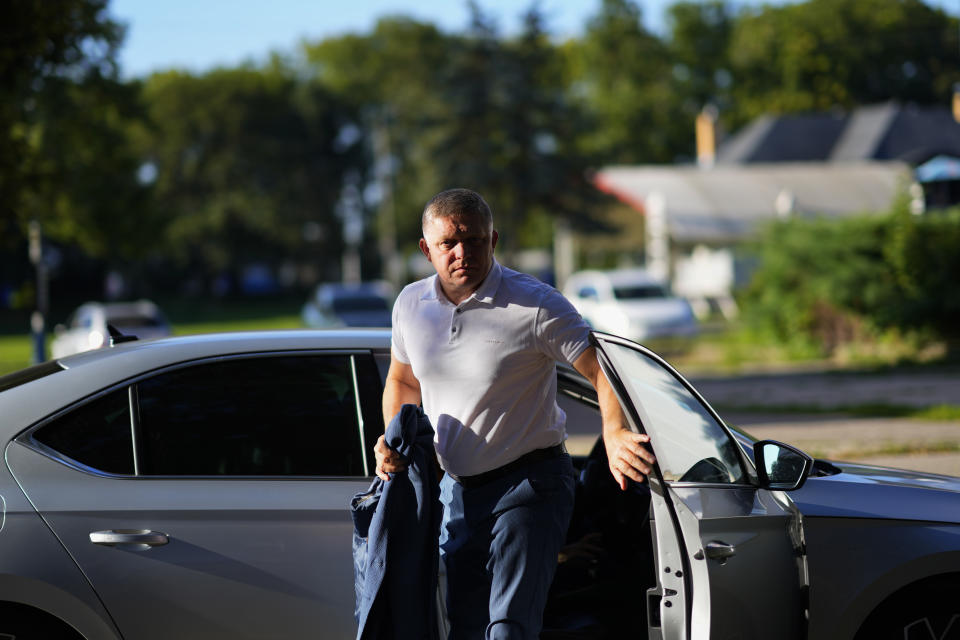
(476, 344)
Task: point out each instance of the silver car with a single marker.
(88, 326)
(198, 487)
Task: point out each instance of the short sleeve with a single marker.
(561, 331)
(396, 332)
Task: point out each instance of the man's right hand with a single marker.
(388, 460)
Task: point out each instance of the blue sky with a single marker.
(197, 35)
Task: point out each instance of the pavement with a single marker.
(839, 436)
(755, 403)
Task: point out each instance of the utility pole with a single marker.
(38, 318)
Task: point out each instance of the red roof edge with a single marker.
(603, 185)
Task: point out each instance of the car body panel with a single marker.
(36, 570)
(857, 563)
(237, 548)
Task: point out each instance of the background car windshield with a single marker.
(635, 292)
(689, 443)
(359, 303)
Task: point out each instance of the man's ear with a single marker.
(493, 242)
(424, 248)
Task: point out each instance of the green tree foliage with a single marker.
(472, 109)
(65, 158)
(510, 131)
(699, 45)
(391, 78)
(624, 76)
(832, 281)
(245, 159)
(820, 54)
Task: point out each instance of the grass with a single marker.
(16, 352)
(890, 449)
(871, 410)
(186, 316)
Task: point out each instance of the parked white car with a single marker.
(87, 327)
(630, 303)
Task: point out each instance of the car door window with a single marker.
(256, 416)
(690, 445)
(96, 435)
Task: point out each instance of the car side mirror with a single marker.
(781, 467)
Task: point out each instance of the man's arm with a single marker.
(626, 454)
(400, 388)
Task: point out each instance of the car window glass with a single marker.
(588, 292)
(257, 416)
(689, 443)
(96, 434)
(639, 292)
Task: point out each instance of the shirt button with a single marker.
(459, 310)
(453, 329)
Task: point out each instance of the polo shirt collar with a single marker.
(485, 293)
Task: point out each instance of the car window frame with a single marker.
(367, 411)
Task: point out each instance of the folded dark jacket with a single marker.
(396, 528)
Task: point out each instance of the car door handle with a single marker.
(717, 550)
(140, 537)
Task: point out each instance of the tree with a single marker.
(246, 160)
(624, 76)
(63, 158)
(390, 78)
(822, 54)
(510, 132)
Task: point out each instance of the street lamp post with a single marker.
(38, 318)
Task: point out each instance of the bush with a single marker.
(832, 282)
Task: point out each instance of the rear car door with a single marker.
(211, 500)
(742, 545)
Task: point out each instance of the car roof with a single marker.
(88, 372)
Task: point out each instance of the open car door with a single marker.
(730, 558)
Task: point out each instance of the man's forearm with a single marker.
(395, 395)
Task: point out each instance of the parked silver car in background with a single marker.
(337, 304)
(198, 487)
(630, 303)
(87, 326)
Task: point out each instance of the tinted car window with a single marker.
(96, 434)
(257, 416)
(689, 443)
(638, 292)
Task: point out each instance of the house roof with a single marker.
(887, 131)
(725, 203)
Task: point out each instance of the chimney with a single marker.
(706, 130)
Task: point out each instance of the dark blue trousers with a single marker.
(499, 543)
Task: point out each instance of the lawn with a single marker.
(186, 317)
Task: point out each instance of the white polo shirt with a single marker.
(486, 367)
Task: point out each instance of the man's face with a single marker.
(460, 247)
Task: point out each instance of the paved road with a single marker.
(838, 436)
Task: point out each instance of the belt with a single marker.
(471, 482)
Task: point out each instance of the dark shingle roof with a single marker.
(887, 131)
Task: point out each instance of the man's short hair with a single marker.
(454, 202)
